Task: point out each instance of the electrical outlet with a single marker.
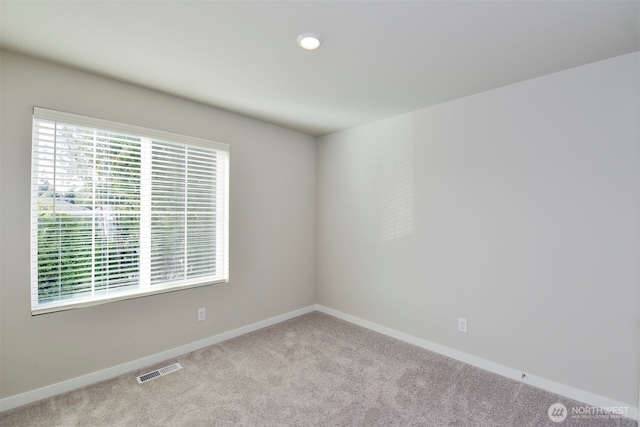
(202, 314)
(462, 325)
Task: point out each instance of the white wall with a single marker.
(515, 208)
(272, 232)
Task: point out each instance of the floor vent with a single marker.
(159, 372)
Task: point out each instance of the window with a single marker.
(120, 211)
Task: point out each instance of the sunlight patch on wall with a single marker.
(396, 207)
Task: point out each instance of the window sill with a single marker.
(120, 296)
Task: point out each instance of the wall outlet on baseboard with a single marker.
(202, 314)
(462, 324)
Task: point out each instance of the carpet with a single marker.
(313, 370)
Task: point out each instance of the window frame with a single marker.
(221, 210)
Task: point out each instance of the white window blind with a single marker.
(120, 211)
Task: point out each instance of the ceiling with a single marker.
(379, 58)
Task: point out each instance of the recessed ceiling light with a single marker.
(309, 41)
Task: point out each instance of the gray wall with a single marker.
(272, 231)
(515, 208)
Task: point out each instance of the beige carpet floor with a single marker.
(314, 370)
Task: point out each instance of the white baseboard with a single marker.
(542, 383)
(105, 374)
